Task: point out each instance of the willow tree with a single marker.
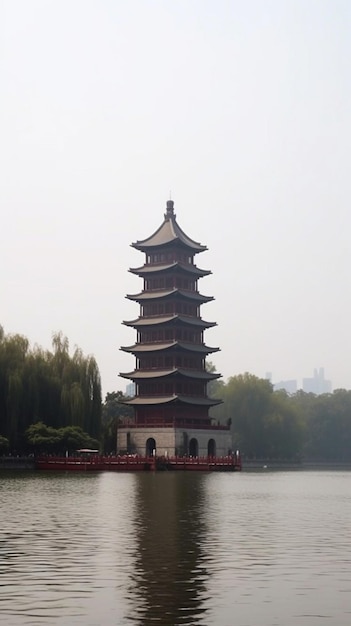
(13, 353)
(80, 402)
(49, 387)
(94, 398)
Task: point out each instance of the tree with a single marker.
(264, 424)
(45, 439)
(74, 438)
(114, 412)
(328, 426)
(48, 387)
(4, 444)
(247, 402)
(284, 428)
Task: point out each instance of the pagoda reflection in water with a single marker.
(169, 583)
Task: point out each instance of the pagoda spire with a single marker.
(170, 210)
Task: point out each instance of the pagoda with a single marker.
(171, 403)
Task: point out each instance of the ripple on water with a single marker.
(209, 549)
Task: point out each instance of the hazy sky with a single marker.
(242, 110)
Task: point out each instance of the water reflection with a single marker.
(175, 549)
(65, 548)
(170, 570)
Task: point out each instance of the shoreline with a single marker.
(28, 463)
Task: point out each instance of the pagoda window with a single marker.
(168, 388)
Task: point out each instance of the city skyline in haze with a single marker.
(242, 110)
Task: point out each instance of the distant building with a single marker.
(290, 386)
(317, 384)
(130, 390)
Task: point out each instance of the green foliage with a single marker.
(45, 439)
(327, 421)
(49, 387)
(114, 412)
(248, 400)
(51, 401)
(4, 443)
(268, 424)
(214, 387)
(42, 438)
(264, 424)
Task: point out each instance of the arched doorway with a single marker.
(193, 447)
(150, 447)
(211, 447)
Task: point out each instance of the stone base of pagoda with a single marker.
(171, 441)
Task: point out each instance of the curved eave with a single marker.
(142, 401)
(153, 374)
(158, 347)
(187, 268)
(144, 322)
(166, 293)
(168, 233)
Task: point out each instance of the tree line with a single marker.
(268, 424)
(51, 401)
(50, 388)
(265, 424)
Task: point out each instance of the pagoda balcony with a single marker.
(175, 423)
(171, 369)
(172, 339)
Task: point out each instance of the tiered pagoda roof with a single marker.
(168, 233)
(170, 350)
(181, 267)
(157, 346)
(202, 375)
(168, 319)
(152, 295)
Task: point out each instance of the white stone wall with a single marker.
(223, 440)
(171, 441)
(164, 437)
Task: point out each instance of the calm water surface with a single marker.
(250, 549)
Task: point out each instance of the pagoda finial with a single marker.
(170, 209)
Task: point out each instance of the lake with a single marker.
(256, 548)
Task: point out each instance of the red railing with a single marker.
(134, 462)
(175, 424)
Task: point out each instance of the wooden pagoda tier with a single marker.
(170, 374)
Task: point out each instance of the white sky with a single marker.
(242, 110)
